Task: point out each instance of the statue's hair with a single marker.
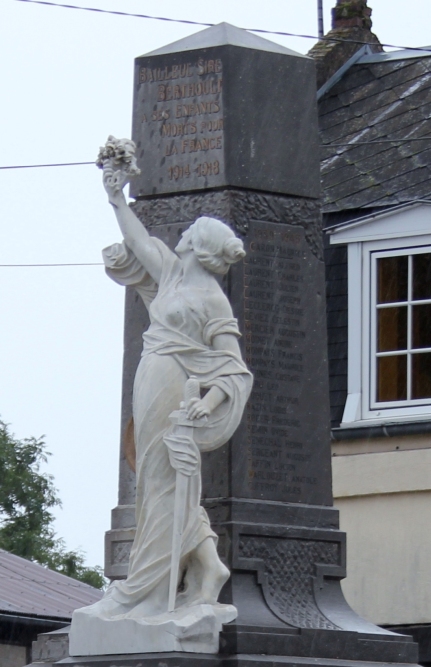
(215, 245)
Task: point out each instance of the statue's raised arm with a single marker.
(118, 161)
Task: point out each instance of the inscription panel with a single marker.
(283, 446)
(178, 123)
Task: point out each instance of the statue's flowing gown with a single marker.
(177, 344)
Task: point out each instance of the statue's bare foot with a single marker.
(107, 607)
(213, 581)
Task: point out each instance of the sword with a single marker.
(182, 427)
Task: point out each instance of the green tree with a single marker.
(27, 496)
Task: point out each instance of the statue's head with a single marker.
(214, 244)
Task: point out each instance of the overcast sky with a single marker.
(66, 78)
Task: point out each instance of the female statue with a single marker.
(192, 333)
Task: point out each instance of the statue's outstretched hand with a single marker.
(114, 182)
(183, 453)
(118, 161)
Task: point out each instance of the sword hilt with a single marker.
(192, 389)
(179, 417)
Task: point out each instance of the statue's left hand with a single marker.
(197, 408)
(183, 453)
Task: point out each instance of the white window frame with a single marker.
(365, 242)
(391, 408)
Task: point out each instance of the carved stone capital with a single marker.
(238, 208)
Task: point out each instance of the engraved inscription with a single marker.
(275, 349)
(181, 121)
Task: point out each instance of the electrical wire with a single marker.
(209, 25)
(352, 144)
(117, 13)
(37, 166)
(39, 265)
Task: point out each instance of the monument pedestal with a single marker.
(287, 567)
(205, 660)
(193, 629)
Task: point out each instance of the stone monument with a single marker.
(227, 122)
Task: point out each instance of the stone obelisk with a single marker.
(226, 125)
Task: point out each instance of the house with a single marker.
(375, 122)
(35, 600)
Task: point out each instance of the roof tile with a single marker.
(27, 588)
(375, 102)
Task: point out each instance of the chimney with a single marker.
(351, 20)
(353, 14)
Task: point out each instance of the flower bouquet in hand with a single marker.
(118, 161)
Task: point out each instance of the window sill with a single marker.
(379, 428)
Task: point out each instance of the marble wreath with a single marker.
(190, 390)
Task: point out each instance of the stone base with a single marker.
(189, 629)
(50, 647)
(240, 660)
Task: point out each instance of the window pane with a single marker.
(392, 329)
(392, 277)
(392, 378)
(422, 326)
(422, 276)
(421, 375)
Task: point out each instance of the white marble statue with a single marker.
(190, 391)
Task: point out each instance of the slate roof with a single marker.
(383, 97)
(28, 589)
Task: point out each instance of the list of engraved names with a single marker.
(275, 345)
(181, 118)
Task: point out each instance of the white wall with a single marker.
(385, 507)
(12, 656)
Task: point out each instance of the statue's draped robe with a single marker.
(177, 344)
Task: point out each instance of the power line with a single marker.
(37, 166)
(408, 201)
(116, 13)
(39, 265)
(352, 144)
(209, 25)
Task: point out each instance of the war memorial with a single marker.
(225, 127)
